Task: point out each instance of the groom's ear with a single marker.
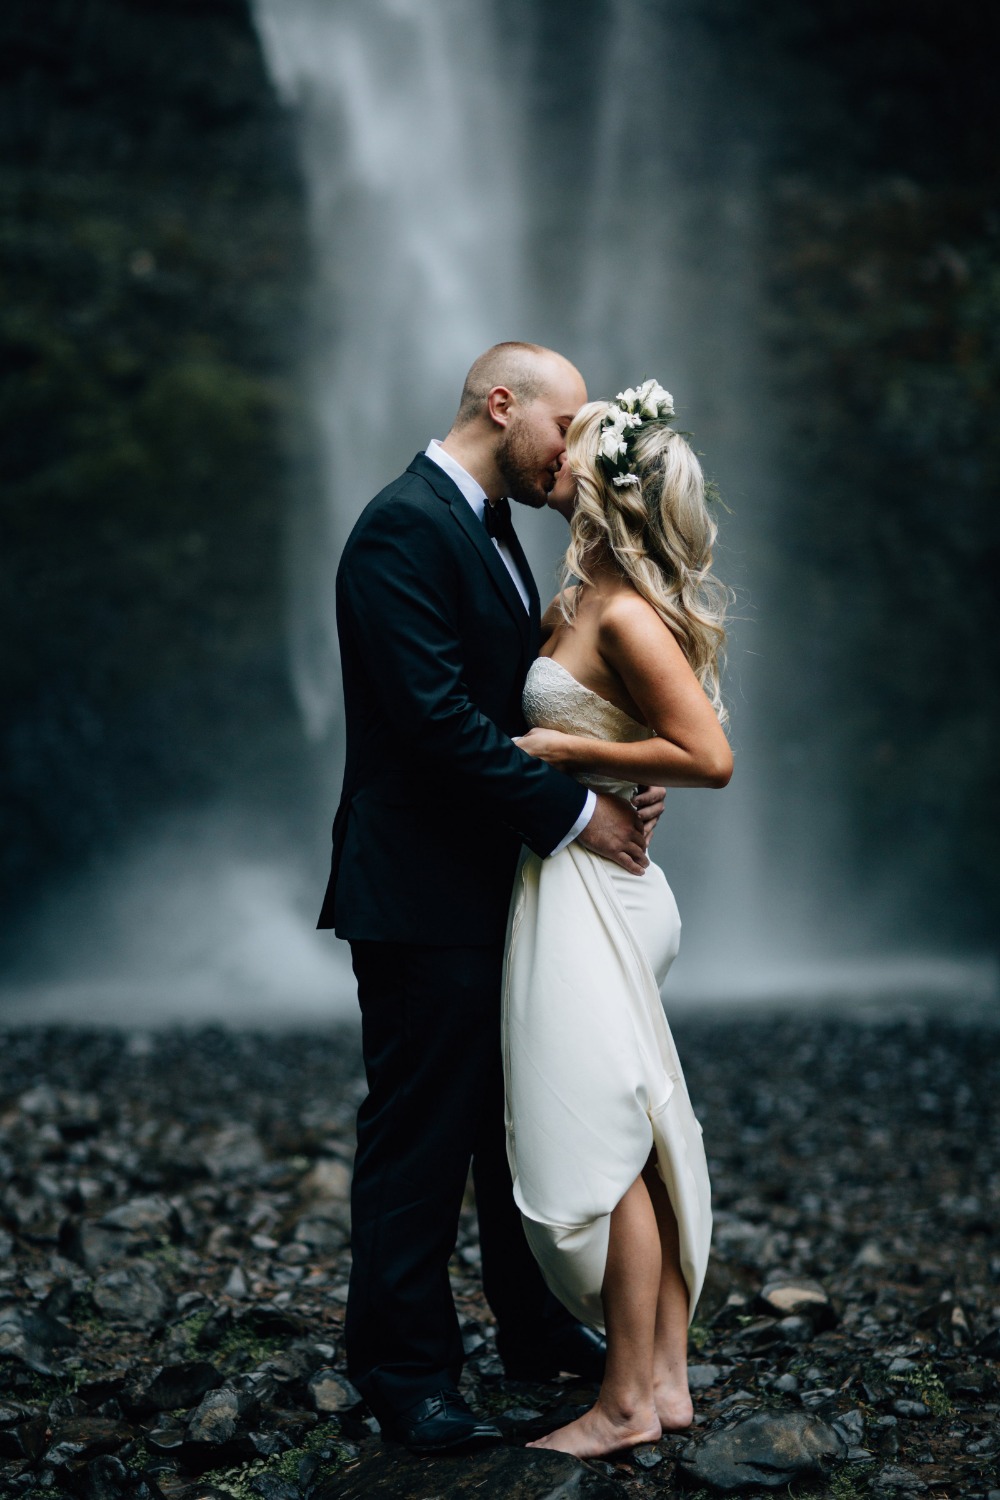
(500, 404)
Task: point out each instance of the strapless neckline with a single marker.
(605, 702)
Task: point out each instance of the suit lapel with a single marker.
(527, 619)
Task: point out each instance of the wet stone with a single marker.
(895, 1480)
(766, 1450)
(82, 1437)
(132, 1295)
(273, 1487)
(784, 1296)
(913, 1410)
(144, 1221)
(168, 1387)
(514, 1473)
(332, 1392)
(106, 1478)
(647, 1458)
(25, 1439)
(219, 1415)
(700, 1377)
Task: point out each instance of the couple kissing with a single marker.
(508, 931)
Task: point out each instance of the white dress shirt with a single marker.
(476, 496)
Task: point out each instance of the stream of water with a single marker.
(477, 172)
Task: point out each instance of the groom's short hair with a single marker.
(515, 365)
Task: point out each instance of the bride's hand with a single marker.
(550, 745)
(649, 802)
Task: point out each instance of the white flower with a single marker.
(627, 399)
(622, 481)
(654, 401)
(612, 445)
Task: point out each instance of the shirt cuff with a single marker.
(585, 816)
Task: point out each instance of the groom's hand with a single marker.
(617, 832)
(649, 802)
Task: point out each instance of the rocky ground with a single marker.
(174, 1268)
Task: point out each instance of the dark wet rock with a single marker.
(220, 1414)
(201, 1492)
(271, 1322)
(323, 1233)
(647, 1458)
(885, 1435)
(912, 1410)
(850, 1425)
(25, 1438)
(144, 1221)
(236, 1285)
(895, 1341)
(232, 1150)
(215, 1329)
(107, 1478)
(132, 1295)
(794, 1330)
(974, 1380)
(895, 1480)
(33, 1338)
(92, 1246)
(328, 1181)
(84, 1437)
(514, 1473)
(783, 1296)
(764, 1451)
(273, 1487)
(168, 1387)
(989, 1345)
(330, 1391)
(166, 1438)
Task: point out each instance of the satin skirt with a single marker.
(592, 1078)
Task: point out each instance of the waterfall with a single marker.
(576, 175)
(417, 227)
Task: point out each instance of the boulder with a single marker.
(767, 1450)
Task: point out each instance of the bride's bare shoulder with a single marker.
(553, 616)
(627, 619)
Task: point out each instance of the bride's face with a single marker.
(562, 496)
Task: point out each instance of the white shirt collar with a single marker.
(471, 488)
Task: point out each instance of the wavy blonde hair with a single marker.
(660, 535)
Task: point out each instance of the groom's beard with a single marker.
(525, 478)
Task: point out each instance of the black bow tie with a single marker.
(496, 519)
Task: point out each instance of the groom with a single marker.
(438, 619)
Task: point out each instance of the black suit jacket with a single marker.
(435, 644)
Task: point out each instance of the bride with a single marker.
(606, 1153)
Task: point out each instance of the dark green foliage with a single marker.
(884, 285)
(151, 255)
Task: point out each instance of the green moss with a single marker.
(698, 1334)
(928, 1385)
(321, 1440)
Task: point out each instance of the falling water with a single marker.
(477, 172)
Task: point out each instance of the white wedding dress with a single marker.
(593, 1080)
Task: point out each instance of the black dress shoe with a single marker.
(574, 1351)
(441, 1423)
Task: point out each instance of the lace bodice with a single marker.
(553, 699)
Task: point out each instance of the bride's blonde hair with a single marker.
(659, 533)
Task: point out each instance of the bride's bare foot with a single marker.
(674, 1406)
(599, 1432)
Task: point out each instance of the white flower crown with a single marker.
(622, 420)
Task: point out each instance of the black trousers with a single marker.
(431, 1038)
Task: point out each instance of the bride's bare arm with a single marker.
(690, 748)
